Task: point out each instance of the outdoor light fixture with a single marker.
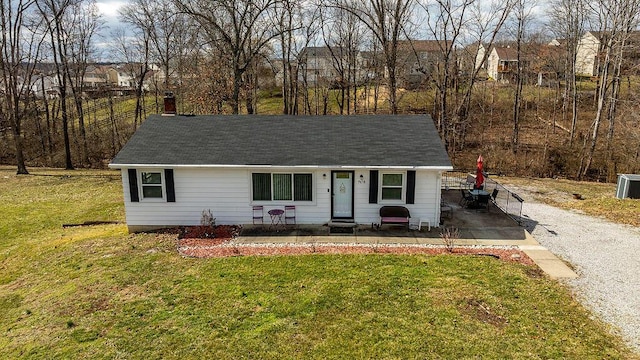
(324, 176)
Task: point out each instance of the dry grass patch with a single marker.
(595, 199)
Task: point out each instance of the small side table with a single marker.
(276, 218)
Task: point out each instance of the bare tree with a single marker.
(486, 21)
(288, 22)
(82, 24)
(54, 14)
(341, 34)
(168, 31)
(446, 21)
(522, 20)
(387, 20)
(617, 19)
(567, 20)
(135, 52)
(242, 29)
(454, 23)
(308, 34)
(19, 54)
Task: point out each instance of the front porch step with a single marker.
(344, 224)
(342, 227)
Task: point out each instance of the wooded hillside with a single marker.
(541, 99)
(544, 149)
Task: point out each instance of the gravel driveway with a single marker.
(605, 255)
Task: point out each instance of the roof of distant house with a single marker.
(507, 53)
(316, 141)
(424, 45)
(324, 51)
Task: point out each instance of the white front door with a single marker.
(342, 190)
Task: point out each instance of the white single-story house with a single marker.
(329, 167)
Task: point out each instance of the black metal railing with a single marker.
(506, 200)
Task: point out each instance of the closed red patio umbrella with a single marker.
(479, 175)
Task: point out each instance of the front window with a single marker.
(392, 186)
(282, 187)
(151, 185)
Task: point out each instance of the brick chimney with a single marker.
(169, 104)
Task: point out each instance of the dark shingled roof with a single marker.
(362, 140)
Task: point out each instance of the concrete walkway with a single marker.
(514, 236)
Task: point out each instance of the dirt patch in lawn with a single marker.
(481, 311)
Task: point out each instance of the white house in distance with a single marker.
(319, 65)
(586, 53)
(329, 167)
(501, 61)
(590, 45)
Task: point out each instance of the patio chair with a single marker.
(494, 195)
(289, 214)
(258, 214)
(445, 209)
(466, 199)
(483, 201)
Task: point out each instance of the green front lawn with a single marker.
(96, 292)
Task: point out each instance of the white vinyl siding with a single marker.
(228, 194)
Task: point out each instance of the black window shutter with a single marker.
(411, 187)
(373, 187)
(133, 185)
(171, 192)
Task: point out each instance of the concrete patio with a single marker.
(475, 227)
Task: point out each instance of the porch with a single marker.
(476, 227)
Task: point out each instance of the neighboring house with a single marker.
(96, 76)
(418, 59)
(123, 75)
(328, 167)
(557, 42)
(321, 65)
(43, 84)
(502, 63)
(589, 49)
(373, 65)
(480, 52)
(317, 66)
(587, 52)
(127, 75)
(271, 72)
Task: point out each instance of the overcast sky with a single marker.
(109, 11)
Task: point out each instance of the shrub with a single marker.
(207, 218)
(449, 237)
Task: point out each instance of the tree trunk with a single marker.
(393, 91)
(237, 85)
(17, 138)
(587, 158)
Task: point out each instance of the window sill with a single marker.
(392, 202)
(153, 200)
(282, 203)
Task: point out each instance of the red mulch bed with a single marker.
(220, 246)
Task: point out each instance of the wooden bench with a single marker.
(394, 215)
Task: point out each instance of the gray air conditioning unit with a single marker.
(628, 186)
